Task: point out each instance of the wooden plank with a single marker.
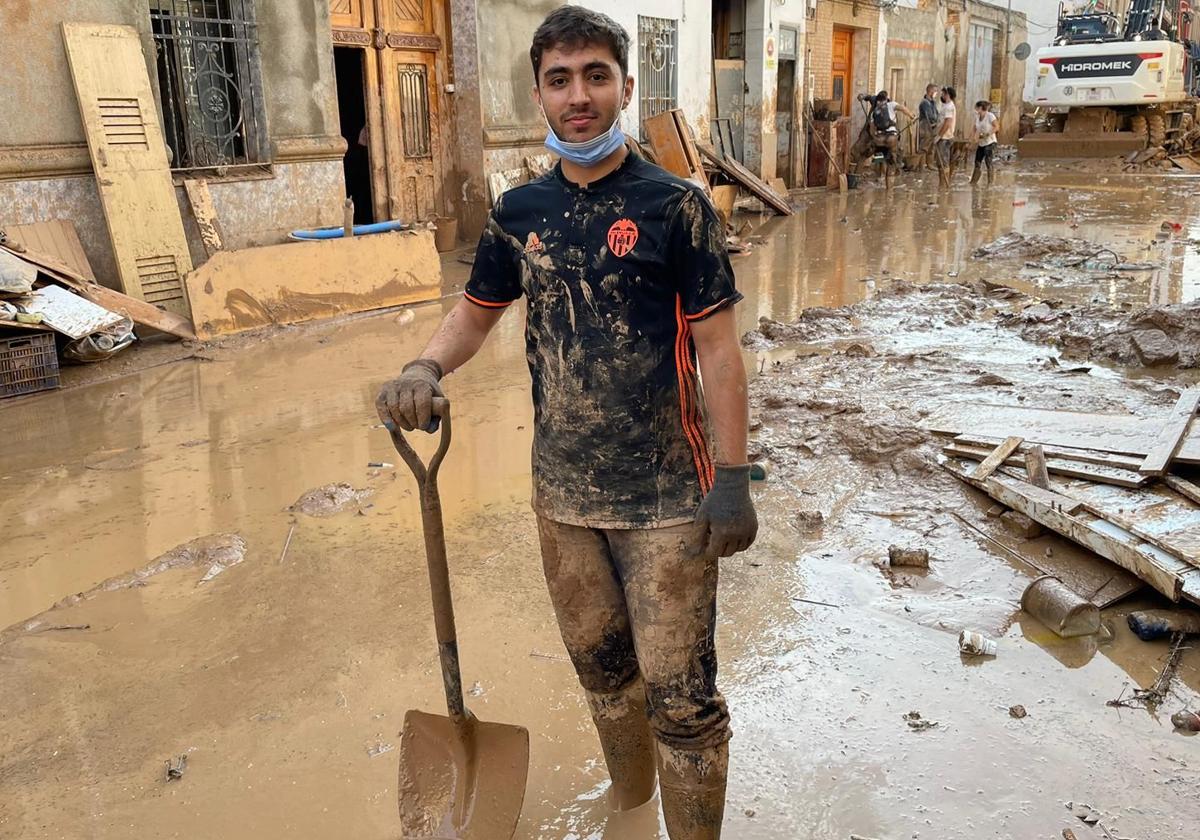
(1171, 435)
(146, 314)
(747, 179)
(303, 281)
(57, 239)
(1125, 434)
(1165, 573)
(1183, 487)
(1087, 456)
(673, 148)
(132, 173)
(1066, 467)
(200, 197)
(993, 461)
(1035, 466)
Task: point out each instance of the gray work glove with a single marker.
(407, 401)
(726, 522)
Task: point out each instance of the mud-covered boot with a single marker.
(624, 730)
(692, 788)
(944, 176)
(976, 174)
(991, 176)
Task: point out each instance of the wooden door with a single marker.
(841, 69)
(411, 69)
(129, 155)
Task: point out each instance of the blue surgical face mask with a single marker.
(589, 152)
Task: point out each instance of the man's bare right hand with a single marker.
(407, 401)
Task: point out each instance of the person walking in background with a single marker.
(945, 136)
(929, 116)
(986, 126)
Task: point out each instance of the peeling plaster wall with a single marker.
(764, 18)
(43, 131)
(465, 183)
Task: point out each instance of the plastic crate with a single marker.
(28, 364)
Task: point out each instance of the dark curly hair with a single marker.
(576, 27)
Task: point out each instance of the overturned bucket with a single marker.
(1056, 605)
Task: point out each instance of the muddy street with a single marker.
(280, 653)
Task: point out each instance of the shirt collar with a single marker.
(602, 183)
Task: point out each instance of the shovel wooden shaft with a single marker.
(435, 556)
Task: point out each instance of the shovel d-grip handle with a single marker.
(435, 554)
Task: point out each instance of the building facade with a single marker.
(247, 99)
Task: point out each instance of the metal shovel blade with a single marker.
(461, 782)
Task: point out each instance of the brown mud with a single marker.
(284, 679)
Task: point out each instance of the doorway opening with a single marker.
(350, 69)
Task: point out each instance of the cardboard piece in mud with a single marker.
(303, 281)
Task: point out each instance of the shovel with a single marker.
(460, 778)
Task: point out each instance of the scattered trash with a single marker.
(759, 471)
(287, 543)
(917, 723)
(176, 768)
(379, 748)
(379, 465)
(974, 643)
(1149, 625)
(476, 690)
(1052, 602)
(1017, 712)
(1153, 697)
(816, 603)
(915, 557)
(1085, 813)
(1187, 721)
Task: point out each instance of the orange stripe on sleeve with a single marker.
(687, 404)
(704, 313)
(487, 304)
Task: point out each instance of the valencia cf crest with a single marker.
(622, 236)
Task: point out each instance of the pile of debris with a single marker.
(1123, 487)
(51, 306)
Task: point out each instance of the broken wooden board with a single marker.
(129, 157)
(145, 314)
(1169, 575)
(1183, 487)
(200, 197)
(1155, 514)
(1186, 163)
(1058, 466)
(303, 281)
(673, 147)
(1124, 434)
(57, 239)
(1171, 435)
(1035, 466)
(759, 188)
(996, 457)
(1125, 463)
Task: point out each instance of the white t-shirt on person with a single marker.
(985, 126)
(949, 118)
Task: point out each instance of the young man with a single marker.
(628, 291)
(986, 126)
(930, 116)
(945, 141)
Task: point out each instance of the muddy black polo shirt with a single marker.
(613, 274)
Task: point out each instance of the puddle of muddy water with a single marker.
(285, 678)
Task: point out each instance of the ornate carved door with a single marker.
(406, 66)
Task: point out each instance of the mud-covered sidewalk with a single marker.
(280, 651)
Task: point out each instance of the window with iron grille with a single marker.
(210, 83)
(657, 76)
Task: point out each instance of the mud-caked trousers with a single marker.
(637, 613)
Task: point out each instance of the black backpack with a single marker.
(881, 118)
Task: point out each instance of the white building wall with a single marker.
(694, 59)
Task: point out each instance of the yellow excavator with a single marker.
(1109, 87)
